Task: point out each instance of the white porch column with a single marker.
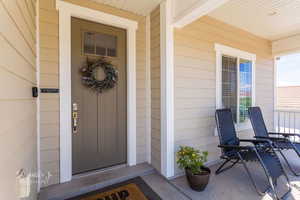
(167, 89)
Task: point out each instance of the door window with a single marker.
(99, 44)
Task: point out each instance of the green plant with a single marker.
(192, 159)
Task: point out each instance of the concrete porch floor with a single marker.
(234, 184)
(84, 184)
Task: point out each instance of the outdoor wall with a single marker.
(49, 103)
(195, 80)
(155, 88)
(18, 132)
(49, 78)
(288, 97)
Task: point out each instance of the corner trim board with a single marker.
(148, 88)
(38, 102)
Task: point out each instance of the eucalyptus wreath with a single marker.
(89, 75)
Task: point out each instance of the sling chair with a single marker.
(258, 150)
(281, 141)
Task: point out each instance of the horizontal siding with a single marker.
(195, 80)
(141, 90)
(49, 77)
(288, 97)
(49, 103)
(18, 134)
(18, 39)
(155, 88)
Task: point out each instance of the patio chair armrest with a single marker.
(237, 147)
(271, 138)
(285, 134)
(257, 141)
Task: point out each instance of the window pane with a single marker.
(245, 89)
(100, 51)
(229, 84)
(100, 44)
(89, 43)
(111, 52)
(106, 45)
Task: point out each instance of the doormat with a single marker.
(133, 189)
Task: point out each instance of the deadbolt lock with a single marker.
(75, 118)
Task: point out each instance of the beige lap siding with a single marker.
(18, 133)
(49, 103)
(155, 87)
(288, 97)
(50, 75)
(195, 80)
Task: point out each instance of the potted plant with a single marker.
(192, 161)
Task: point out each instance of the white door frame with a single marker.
(66, 11)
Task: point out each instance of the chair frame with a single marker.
(256, 143)
(284, 138)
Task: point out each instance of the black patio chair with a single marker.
(259, 150)
(281, 141)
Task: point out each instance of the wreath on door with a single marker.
(90, 80)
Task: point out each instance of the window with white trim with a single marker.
(235, 82)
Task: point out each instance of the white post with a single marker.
(148, 88)
(65, 96)
(167, 89)
(131, 97)
(275, 94)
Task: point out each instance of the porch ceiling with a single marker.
(140, 7)
(270, 19)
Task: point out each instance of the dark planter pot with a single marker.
(198, 182)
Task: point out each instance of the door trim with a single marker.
(66, 11)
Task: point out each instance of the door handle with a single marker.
(74, 118)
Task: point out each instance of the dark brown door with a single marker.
(100, 139)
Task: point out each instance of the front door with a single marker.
(99, 139)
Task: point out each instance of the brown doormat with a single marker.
(133, 189)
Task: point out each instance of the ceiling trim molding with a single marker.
(196, 11)
(137, 7)
(97, 16)
(286, 46)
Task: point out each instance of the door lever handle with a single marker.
(74, 118)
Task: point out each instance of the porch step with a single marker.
(82, 185)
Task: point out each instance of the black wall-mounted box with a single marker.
(35, 92)
(49, 90)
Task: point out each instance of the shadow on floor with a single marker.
(234, 184)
